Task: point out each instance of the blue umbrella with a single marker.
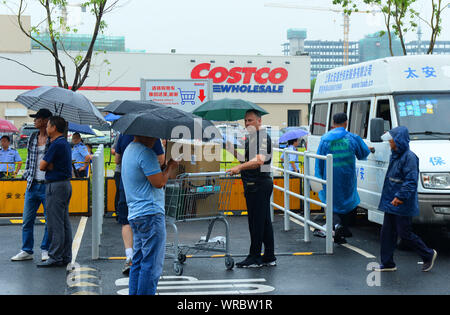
(293, 134)
(80, 128)
(112, 117)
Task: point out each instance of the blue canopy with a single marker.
(112, 117)
(80, 128)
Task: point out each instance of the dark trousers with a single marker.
(395, 226)
(257, 197)
(57, 198)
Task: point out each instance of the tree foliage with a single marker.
(56, 27)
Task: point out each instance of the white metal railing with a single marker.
(98, 199)
(307, 177)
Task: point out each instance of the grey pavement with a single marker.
(344, 272)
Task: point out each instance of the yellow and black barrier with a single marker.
(12, 197)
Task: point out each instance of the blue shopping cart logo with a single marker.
(187, 97)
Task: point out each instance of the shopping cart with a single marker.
(195, 197)
(187, 96)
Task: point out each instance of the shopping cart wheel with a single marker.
(181, 258)
(229, 263)
(178, 268)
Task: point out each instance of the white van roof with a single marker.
(385, 76)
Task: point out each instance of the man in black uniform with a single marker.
(258, 186)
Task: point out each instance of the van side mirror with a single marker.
(376, 129)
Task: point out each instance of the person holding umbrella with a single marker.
(258, 186)
(38, 144)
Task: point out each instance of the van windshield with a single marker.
(425, 115)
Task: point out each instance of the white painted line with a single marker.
(351, 247)
(76, 243)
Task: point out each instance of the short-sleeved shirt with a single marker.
(9, 155)
(255, 144)
(138, 162)
(291, 157)
(79, 154)
(60, 154)
(125, 140)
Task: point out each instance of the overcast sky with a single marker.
(226, 27)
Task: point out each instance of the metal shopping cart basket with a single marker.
(187, 96)
(195, 197)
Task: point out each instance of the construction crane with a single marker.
(345, 16)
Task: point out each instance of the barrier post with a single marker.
(329, 208)
(98, 197)
(287, 207)
(307, 208)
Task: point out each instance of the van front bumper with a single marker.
(434, 209)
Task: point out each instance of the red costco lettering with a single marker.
(236, 74)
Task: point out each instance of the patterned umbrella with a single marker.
(72, 106)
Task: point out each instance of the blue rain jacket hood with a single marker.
(401, 177)
(345, 147)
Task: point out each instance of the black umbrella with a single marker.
(72, 106)
(166, 123)
(122, 107)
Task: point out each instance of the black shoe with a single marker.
(339, 235)
(269, 261)
(50, 264)
(250, 262)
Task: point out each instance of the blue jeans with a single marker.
(149, 241)
(33, 199)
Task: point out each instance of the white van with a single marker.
(410, 91)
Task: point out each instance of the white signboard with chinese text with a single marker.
(186, 95)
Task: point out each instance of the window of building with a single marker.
(359, 118)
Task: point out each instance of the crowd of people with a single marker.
(142, 173)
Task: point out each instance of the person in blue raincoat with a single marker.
(345, 148)
(399, 202)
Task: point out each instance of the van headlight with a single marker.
(436, 180)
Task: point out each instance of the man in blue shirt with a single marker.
(57, 163)
(9, 155)
(80, 156)
(122, 210)
(143, 182)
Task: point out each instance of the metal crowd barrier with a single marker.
(328, 229)
(98, 199)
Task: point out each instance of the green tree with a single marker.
(56, 27)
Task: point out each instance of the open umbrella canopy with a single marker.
(166, 123)
(7, 126)
(293, 134)
(73, 127)
(226, 109)
(112, 117)
(72, 106)
(122, 107)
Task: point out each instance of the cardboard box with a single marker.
(196, 156)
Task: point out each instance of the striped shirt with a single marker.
(32, 155)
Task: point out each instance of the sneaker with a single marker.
(44, 255)
(250, 262)
(427, 266)
(23, 255)
(127, 266)
(383, 268)
(269, 262)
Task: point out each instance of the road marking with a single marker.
(78, 237)
(351, 247)
(184, 283)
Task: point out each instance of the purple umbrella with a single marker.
(293, 134)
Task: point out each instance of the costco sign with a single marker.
(238, 79)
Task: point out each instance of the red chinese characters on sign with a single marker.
(163, 91)
(234, 75)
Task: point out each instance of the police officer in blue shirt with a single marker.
(80, 156)
(9, 155)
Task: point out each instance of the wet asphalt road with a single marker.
(347, 271)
